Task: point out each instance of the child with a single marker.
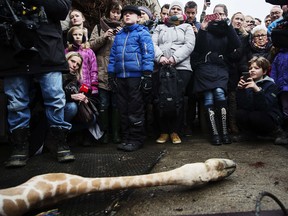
(279, 73)
(78, 43)
(258, 111)
(131, 58)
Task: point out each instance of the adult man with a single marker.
(190, 11)
(35, 52)
(164, 12)
(275, 14)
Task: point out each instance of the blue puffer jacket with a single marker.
(132, 52)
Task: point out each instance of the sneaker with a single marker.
(175, 138)
(163, 138)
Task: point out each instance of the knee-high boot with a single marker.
(221, 107)
(214, 133)
(20, 153)
(104, 121)
(116, 126)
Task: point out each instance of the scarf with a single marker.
(175, 20)
(106, 24)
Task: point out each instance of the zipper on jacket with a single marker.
(137, 59)
(123, 65)
(145, 47)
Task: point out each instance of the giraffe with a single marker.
(47, 189)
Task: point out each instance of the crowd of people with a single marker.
(231, 70)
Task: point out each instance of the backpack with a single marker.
(170, 91)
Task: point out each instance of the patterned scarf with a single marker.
(106, 24)
(175, 20)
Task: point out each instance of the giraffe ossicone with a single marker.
(47, 189)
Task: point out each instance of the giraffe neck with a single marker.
(51, 188)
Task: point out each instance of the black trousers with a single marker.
(131, 107)
(173, 122)
(258, 122)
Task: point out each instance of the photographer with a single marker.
(258, 110)
(34, 51)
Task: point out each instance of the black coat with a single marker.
(49, 55)
(266, 100)
(209, 59)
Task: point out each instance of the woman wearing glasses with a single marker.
(259, 44)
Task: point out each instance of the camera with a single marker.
(18, 23)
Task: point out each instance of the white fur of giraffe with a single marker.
(47, 189)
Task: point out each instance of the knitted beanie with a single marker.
(178, 3)
(147, 11)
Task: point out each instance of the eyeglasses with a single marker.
(261, 35)
(274, 13)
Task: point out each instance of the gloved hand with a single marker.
(146, 82)
(112, 83)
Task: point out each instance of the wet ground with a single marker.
(261, 166)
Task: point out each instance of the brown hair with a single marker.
(261, 62)
(115, 5)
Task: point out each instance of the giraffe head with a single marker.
(220, 168)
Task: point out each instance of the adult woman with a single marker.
(259, 44)
(235, 71)
(215, 41)
(101, 41)
(173, 42)
(71, 85)
(75, 18)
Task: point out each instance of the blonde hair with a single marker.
(241, 29)
(79, 71)
(84, 45)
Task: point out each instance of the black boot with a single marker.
(116, 126)
(20, 153)
(215, 138)
(56, 142)
(104, 122)
(222, 115)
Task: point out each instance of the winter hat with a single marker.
(176, 3)
(147, 11)
(131, 8)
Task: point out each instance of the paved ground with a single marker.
(261, 166)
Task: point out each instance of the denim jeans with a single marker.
(70, 111)
(17, 89)
(210, 96)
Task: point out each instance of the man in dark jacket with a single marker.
(35, 51)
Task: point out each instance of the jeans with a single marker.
(216, 94)
(17, 89)
(70, 111)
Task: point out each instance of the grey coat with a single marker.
(177, 41)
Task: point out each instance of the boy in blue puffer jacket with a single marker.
(130, 72)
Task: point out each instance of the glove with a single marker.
(112, 82)
(146, 82)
